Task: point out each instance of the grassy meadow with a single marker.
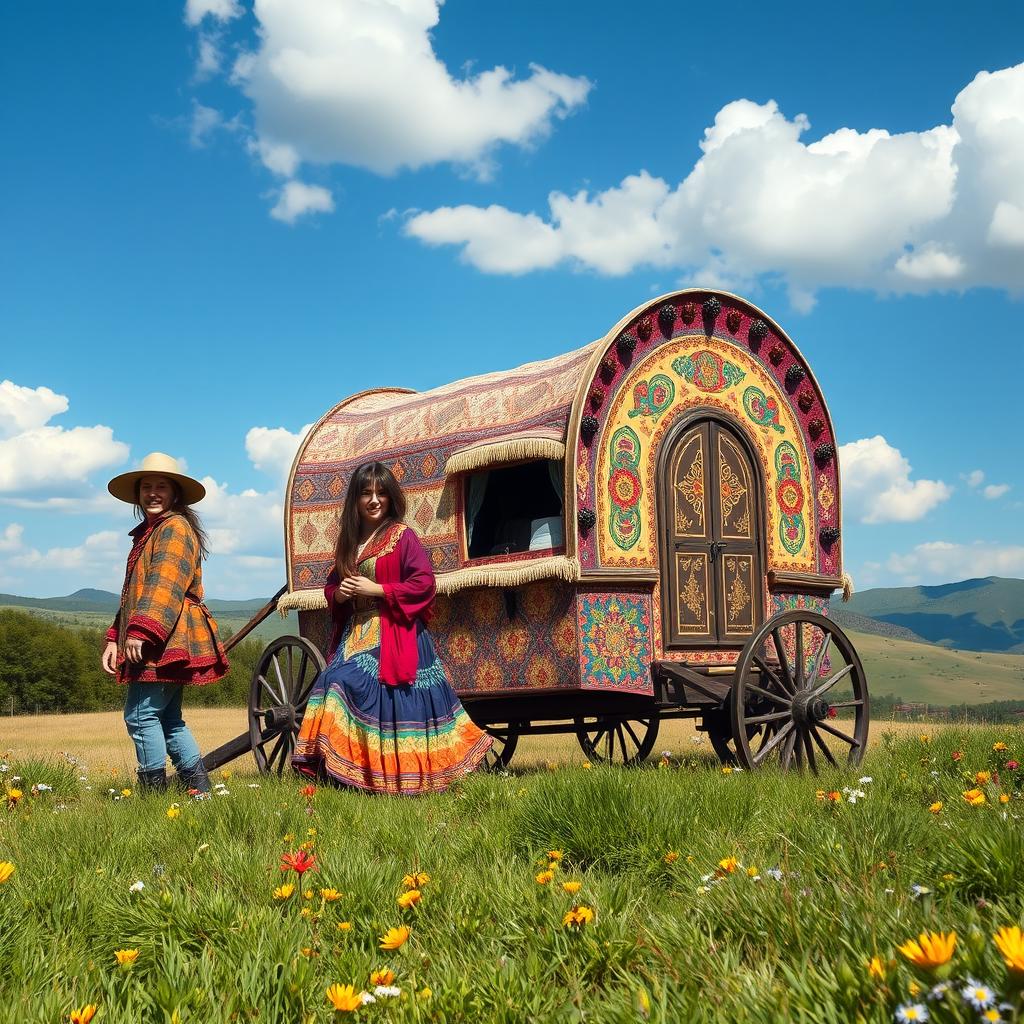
(555, 893)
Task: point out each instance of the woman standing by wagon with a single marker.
(163, 637)
(382, 716)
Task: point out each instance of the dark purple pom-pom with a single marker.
(644, 328)
(586, 518)
(626, 345)
(596, 395)
(829, 535)
(815, 428)
(588, 428)
(667, 319)
(777, 354)
(758, 330)
(733, 320)
(805, 400)
(608, 368)
(688, 312)
(794, 375)
(825, 452)
(712, 307)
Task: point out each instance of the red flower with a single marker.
(832, 713)
(308, 791)
(300, 862)
(958, 755)
(1013, 765)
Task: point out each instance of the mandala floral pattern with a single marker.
(789, 496)
(615, 635)
(624, 488)
(652, 397)
(764, 411)
(707, 371)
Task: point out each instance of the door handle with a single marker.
(716, 549)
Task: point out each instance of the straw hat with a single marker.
(156, 464)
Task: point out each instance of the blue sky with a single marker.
(219, 219)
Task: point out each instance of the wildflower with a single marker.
(1010, 942)
(999, 747)
(1012, 765)
(752, 872)
(930, 950)
(993, 1014)
(126, 957)
(299, 862)
(83, 1015)
(1004, 798)
(911, 1013)
(957, 755)
(819, 794)
(949, 877)
(936, 807)
(308, 951)
(914, 989)
(42, 787)
(416, 880)
(308, 791)
(306, 912)
(136, 887)
(6, 870)
(344, 998)
(174, 811)
(384, 976)
(555, 855)
(308, 894)
(938, 991)
(330, 895)
(394, 938)
(877, 968)
(577, 917)
(975, 797)
(13, 796)
(424, 993)
(864, 780)
(344, 926)
(980, 996)
(572, 887)
(671, 857)
(728, 865)
(587, 764)
(543, 877)
(919, 890)
(982, 778)
(727, 769)
(775, 873)
(387, 991)
(283, 892)
(409, 898)
(835, 796)
(925, 738)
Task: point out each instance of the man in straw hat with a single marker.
(163, 636)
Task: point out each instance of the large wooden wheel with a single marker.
(281, 683)
(506, 739)
(717, 725)
(799, 695)
(613, 740)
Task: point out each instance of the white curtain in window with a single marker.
(476, 488)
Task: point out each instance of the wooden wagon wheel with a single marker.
(787, 680)
(717, 725)
(613, 740)
(281, 683)
(506, 739)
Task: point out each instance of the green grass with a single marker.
(668, 943)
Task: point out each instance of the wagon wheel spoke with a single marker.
(787, 753)
(502, 748)
(824, 748)
(775, 698)
(280, 679)
(633, 736)
(832, 680)
(275, 697)
(849, 704)
(798, 751)
(775, 716)
(785, 733)
(799, 666)
(819, 658)
(839, 735)
(771, 674)
(780, 653)
(812, 761)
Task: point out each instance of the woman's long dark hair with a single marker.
(179, 506)
(368, 474)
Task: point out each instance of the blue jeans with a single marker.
(152, 712)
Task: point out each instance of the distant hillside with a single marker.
(975, 615)
(875, 627)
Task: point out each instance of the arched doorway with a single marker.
(711, 561)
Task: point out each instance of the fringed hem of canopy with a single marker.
(498, 451)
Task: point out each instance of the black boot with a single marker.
(195, 777)
(153, 780)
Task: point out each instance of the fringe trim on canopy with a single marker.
(558, 567)
(303, 600)
(497, 452)
(847, 587)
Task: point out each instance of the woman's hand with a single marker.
(340, 597)
(133, 649)
(109, 659)
(360, 586)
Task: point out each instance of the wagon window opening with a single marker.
(514, 508)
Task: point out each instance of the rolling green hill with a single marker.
(977, 615)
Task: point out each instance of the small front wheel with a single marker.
(612, 740)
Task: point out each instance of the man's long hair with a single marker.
(179, 507)
(367, 475)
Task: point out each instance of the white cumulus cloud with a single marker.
(993, 491)
(942, 561)
(297, 199)
(219, 10)
(272, 449)
(877, 487)
(938, 208)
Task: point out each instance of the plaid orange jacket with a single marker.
(162, 603)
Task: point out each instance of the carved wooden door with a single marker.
(711, 563)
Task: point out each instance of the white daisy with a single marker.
(980, 996)
(911, 1012)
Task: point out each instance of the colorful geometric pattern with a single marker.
(483, 649)
(787, 602)
(652, 397)
(624, 488)
(708, 371)
(615, 641)
(790, 497)
(764, 411)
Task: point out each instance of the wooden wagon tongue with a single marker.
(642, 529)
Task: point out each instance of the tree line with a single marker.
(47, 667)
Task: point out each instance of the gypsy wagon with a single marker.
(645, 528)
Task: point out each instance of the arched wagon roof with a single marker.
(570, 406)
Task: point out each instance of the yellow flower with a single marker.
(6, 870)
(727, 769)
(306, 912)
(126, 957)
(931, 950)
(877, 968)
(1004, 798)
(925, 738)
(671, 857)
(83, 1015)
(727, 865)
(587, 764)
(308, 951)
(344, 998)
(572, 886)
(424, 993)
(936, 807)
(308, 894)
(1010, 942)
(999, 747)
(344, 926)
(225, 774)
(13, 796)
(913, 988)
(126, 792)
(385, 976)
(283, 892)
(289, 837)
(544, 877)
(819, 794)
(416, 880)
(949, 877)
(330, 895)
(555, 854)
(174, 811)
(577, 917)
(982, 778)
(409, 898)
(975, 797)
(752, 872)
(393, 938)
